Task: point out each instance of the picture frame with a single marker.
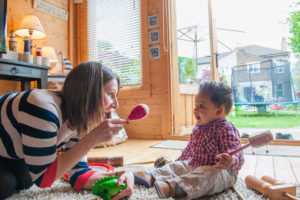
(153, 21)
(153, 37)
(154, 52)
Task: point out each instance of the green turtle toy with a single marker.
(107, 187)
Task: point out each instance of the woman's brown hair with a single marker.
(83, 95)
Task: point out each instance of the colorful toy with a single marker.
(107, 187)
(161, 161)
(255, 141)
(140, 111)
(268, 187)
(96, 166)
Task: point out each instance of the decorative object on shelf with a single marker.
(3, 22)
(27, 57)
(11, 55)
(27, 45)
(38, 51)
(12, 42)
(31, 26)
(67, 65)
(38, 56)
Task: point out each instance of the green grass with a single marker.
(284, 119)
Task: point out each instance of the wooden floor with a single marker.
(285, 169)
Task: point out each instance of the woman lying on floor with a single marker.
(35, 123)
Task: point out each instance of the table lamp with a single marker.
(32, 27)
(49, 52)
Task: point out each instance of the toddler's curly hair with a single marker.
(220, 94)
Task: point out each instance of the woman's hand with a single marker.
(128, 178)
(107, 129)
(224, 161)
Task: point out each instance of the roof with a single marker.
(262, 51)
(206, 59)
(256, 50)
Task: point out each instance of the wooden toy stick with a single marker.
(276, 192)
(240, 196)
(255, 141)
(143, 163)
(271, 180)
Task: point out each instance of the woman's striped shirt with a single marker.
(31, 128)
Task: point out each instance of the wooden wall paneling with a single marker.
(71, 31)
(56, 29)
(9, 86)
(182, 111)
(156, 78)
(81, 32)
(159, 86)
(188, 108)
(56, 32)
(213, 42)
(175, 94)
(193, 106)
(146, 70)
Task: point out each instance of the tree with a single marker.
(104, 45)
(296, 76)
(187, 70)
(294, 22)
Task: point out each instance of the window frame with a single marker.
(253, 68)
(280, 90)
(81, 53)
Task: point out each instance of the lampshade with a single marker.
(49, 52)
(32, 27)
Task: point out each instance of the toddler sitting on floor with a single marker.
(204, 167)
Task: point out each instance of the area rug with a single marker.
(61, 190)
(270, 150)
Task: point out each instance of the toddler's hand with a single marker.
(224, 161)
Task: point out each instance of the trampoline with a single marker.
(263, 84)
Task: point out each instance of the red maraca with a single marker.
(140, 111)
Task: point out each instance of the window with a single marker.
(254, 68)
(193, 43)
(114, 37)
(279, 69)
(279, 63)
(279, 89)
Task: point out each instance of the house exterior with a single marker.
(273, 76)
(255, 66)
(241, 56)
